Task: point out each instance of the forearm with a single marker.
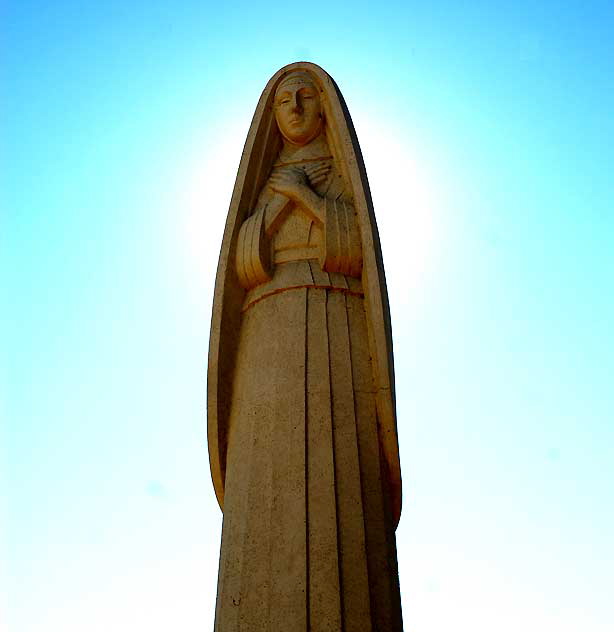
(314, 205)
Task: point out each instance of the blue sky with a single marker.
(487, 131)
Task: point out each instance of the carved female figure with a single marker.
(302, 431)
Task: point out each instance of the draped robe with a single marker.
(308, 536)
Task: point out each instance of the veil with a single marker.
(259, 154)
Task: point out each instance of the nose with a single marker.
(297, 106)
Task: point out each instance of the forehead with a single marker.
(294, 84)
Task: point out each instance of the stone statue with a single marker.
(301, 413)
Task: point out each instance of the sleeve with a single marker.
(341, 250)
(253, 257)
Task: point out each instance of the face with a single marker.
(297, 110)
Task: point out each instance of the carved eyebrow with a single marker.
(282, 95)
(303, 90)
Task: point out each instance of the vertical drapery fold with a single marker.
(288, 556)
(304, 543)
(352, 550)
(324, 590)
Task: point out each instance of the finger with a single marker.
(282, 173)
(317, 165)
(286, 171)
(318, 176)
(279, 179)
(319, 173)
(318, 169)
(280, 185)
(314, 166)
(296, 174)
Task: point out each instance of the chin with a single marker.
(300, 138)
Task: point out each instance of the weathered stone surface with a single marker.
(301, 415)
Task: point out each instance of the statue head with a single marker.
(298, 110)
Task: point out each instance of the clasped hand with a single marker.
(294, 184)
(289, 181)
